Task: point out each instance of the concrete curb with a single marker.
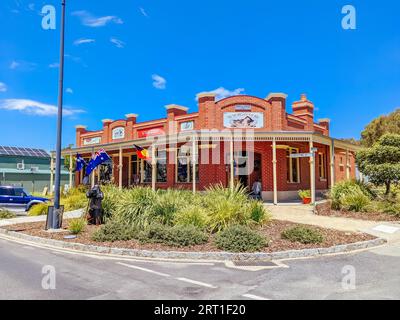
(216, 256)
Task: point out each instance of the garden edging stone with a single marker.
(219, 256)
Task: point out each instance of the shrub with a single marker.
(192, 215)
(39, 209)
(76, 226)
(112, 195)
(257, 212)
(354, 200)
(114, 231)
(304, 194)
(386, 206)
(240, 239)
(169, 202)
(5, 214)
(226, 207)
(178, 236)
(75, 200)
(303, 235)
(136, 207)
(344, 188)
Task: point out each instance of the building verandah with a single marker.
(197, 161)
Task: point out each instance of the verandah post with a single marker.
(194, 151)
(153, 167)
(312, 171)
(120, 168)
(274, 171)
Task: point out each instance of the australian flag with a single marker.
(99, 157)
(80, 163)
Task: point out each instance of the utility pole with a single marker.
(55, 214)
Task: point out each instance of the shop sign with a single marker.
(244, 120)
(187, 126)
(242, 108)
(90, 141)
(118, 133)
(151, 132)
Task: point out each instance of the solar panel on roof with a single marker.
(26, 152)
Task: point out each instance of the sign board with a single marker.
(302, 155)
(187, 126)
(118, 133)
(90, 141)
(244, 120)
(151, 132)
(242, 108)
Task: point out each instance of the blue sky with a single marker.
(131, 56)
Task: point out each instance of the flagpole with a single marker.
(55, 213)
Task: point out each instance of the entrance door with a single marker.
(247, 168)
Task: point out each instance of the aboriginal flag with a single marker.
(142, 153)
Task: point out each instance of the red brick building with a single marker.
(241, 138)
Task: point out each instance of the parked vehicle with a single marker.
(18, 198)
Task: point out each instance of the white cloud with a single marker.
(143, 12)
(34, 107)
(69, 90)
(83, 41)
(222, 93)
(118, 43)
(54, 65)
(22, 65)
(159, 82)
(90, 20)
(14, 65)
(3, 87)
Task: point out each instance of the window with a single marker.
(136, 164)
(161, 171)
(321, 166)
(293, 166)
(6, 192)
(161, 165)
(184, 167)
(19, 192)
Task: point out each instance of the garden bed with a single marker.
(271, 231)
(324, 209)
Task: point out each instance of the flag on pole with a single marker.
(80, 163)
(99, 157)
(142, 153)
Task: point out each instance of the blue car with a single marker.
(18, 198)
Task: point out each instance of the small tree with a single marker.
(381, 162)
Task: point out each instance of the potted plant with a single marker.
(305, 195)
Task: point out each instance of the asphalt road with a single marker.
(80, 276)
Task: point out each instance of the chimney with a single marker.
(80, 129)
(131, 120)
(132, 117)
(206, 102)
(325, 123)
(304, 109)
(278, 103)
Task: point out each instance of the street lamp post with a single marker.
(55, 214)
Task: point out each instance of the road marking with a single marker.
(386, 229)
(143, 269)
(203, 284)
(254, 297)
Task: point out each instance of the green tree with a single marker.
(380, 126)
(381, 162)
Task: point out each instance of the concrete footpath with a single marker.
(305, 215)
(27, 219)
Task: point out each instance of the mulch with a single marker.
(272, 231)
(370, 216)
